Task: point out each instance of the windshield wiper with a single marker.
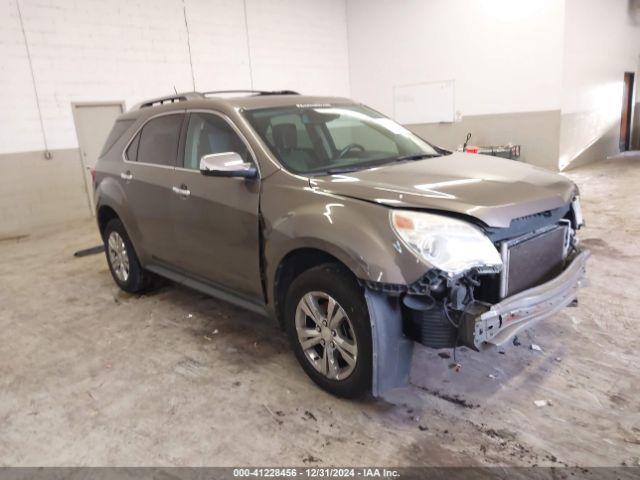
(417, 156)
(353, 168)
(336, 170)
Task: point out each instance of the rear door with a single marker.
(149, 168)
(216, 218)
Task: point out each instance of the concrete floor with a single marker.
(92, 376)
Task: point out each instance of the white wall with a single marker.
(93, 50)
(300, 45)
(504, 55)
(19, 116)
(601, 42)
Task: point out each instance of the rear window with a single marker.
(118, 129)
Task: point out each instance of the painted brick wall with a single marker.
(96, 50)
(88, 50)
(19, 117)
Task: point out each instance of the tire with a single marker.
(136, 279)
(348, 379)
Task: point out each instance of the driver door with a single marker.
(216, 218)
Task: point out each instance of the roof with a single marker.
(245, 99)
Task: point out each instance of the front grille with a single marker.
(532, 260)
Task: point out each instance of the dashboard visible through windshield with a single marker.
(309, 139)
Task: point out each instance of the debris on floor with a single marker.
(536, 347)
(273, 415)
(455, 366)
(311, 459)
(13, 238)
(209, 336)
(542, 403)
(310, 415)
(89, 251)
(452, 398)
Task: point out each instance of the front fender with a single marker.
(356, 232)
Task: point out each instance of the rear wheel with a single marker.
(328, 326)
(122, 259)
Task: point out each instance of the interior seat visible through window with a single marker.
(285, 138)
(207, 134)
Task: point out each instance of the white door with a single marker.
(93, 124)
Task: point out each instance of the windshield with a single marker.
(309, 139)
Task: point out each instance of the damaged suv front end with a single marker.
(484, 286)
(481, 285)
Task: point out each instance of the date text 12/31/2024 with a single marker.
(316, 472)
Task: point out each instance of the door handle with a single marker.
(126, 175)
(183, 191)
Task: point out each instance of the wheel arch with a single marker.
(104, 215)
(291, 265)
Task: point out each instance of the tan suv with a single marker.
(358, 236)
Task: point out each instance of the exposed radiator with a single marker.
(532, 259)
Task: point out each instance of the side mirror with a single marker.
(227, 164)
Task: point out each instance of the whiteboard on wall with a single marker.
(429, 102)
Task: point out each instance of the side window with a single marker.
(132, 150)
(208, 133)
(159, 140)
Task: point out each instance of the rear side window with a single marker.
(132, 149)
(117, 130)
(159, 140)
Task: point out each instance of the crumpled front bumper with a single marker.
(500, 322)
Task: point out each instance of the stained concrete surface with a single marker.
(92, 376)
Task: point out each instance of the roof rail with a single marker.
(178, 97)
(182, 97)
(254, 92)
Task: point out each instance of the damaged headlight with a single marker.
(577, 212)
(451, 245)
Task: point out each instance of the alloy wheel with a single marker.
(326, 335)
(118, 256)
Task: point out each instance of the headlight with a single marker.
(577, 212)
(446, 243)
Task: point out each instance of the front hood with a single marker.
(490, 189)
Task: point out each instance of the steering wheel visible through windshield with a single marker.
(327, 139)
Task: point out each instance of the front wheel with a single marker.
(328, 325)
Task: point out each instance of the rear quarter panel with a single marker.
(110, 193)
